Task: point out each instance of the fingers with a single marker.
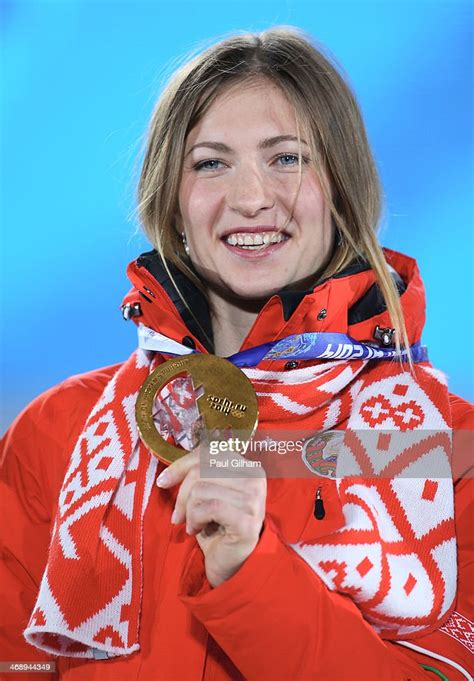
(191, 479)
(203, 492)
(245, 495)
(178, 470)
(197, 490)
(225, 518)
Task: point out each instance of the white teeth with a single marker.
(247, 240)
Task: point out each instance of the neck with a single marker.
(231, 322)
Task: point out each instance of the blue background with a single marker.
(79, 82)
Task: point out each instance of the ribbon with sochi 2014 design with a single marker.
(303, 346)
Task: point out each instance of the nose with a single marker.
(250, 191)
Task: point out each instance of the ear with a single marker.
(178, 224)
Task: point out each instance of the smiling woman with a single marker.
(127, 557)
(282, 87)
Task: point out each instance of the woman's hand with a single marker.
(225, 514)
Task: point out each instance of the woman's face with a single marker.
(239, 183)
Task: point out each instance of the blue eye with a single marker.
(205, 165)
(287, 160)
(292, 157)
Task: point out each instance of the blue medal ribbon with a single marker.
(302, 346)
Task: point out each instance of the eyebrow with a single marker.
(264, 144)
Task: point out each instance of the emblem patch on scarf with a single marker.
(320, 453)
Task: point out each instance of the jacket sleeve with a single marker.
(34, 454)
(25, 531)
(276, 620)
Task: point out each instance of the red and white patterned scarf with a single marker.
(395, 556)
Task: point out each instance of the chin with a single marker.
(245, 287)
(251, 292)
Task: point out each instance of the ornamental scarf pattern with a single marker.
(395, 556)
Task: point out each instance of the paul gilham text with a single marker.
(234, 463)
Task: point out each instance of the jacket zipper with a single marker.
(319, 510)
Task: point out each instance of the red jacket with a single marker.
(274, 619)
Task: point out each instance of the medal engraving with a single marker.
(226, 400)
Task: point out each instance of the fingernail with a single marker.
(174, 517)
(163, 479)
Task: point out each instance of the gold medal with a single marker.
(226, 401)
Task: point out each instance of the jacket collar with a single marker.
(349, 302)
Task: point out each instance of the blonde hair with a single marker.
(327, 112)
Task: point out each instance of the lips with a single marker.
(255, 244)
(252, 239)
